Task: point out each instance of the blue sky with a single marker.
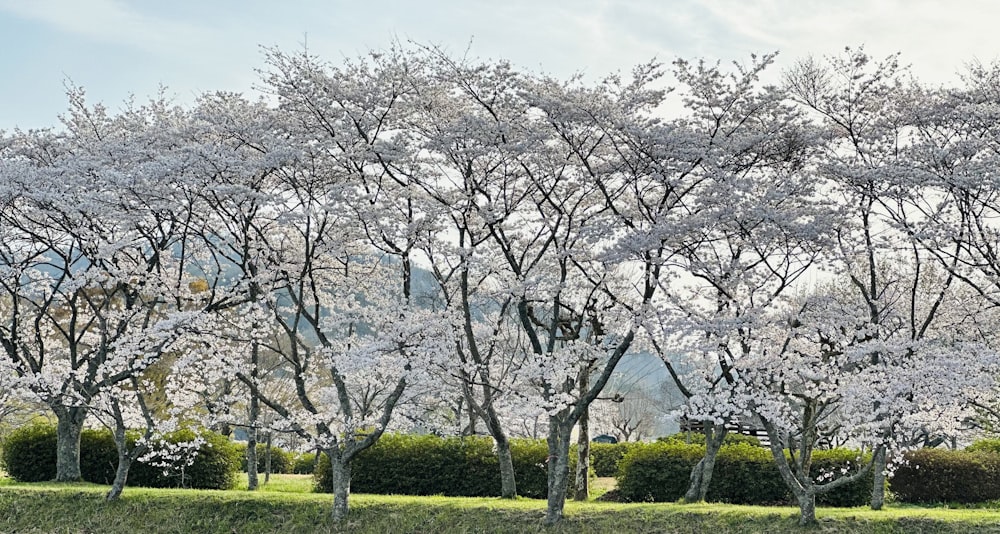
(115, 48)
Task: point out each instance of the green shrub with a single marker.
(985, 445)
(746, 474)
(98, 456)
(938, 475)
(604, 457)
(304, 464)
(857, 493)
(743, 474)
(657, 472)
(530, 458)
(29, 453)
(214, 467)
(431, 465)
(698, 438)
(281, 460)
(427, 465)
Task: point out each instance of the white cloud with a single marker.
(114, 22)
(936, 37)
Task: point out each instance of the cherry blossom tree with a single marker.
(884, 244)
(826, 377)
(583, 260)
(472, 124)
(753, 228)
(344, 317)
(89, 263)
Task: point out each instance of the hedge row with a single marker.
(939, 475)
(604, 457)
(698, 438)
(281, 460)
(304, 464)
(744, 474)
(29, 455)
(454, 466)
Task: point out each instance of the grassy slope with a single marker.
(73, 508)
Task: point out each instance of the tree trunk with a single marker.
(252, 459)
(68, 428)
(701, 474)
(582, 492)
(124, 463)
(558, 469)
(341, 479)
(879, 461)
(121, 476)
(807, 508)
(252, 481)
(267, 458)
(508, 484)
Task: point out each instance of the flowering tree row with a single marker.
(410, 239)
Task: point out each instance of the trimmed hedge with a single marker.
(453, 466)
(657, 472)
(304, 464)
(744, 474)
(604, 457)
(698, 438)
(29, 455)
(281, 460)
(99, 457)
(939, 475)
(984, 445)
(215, 467)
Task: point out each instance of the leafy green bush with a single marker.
(530, 458)
(431, 465)
(29, 453)
(984, 445)
(746, 474)
(304, 464)
(857, 493)
(604, 457)
(281, 460)
(214, 467)
(938, 475)
(98, 456)
(698, 438)
(657, 472)
(743, 474)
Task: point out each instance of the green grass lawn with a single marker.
(285, 505)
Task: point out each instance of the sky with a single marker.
(118, 48)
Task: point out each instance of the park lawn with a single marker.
(281, 507)
(281, 483)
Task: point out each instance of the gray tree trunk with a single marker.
(879, 461)
(341, 479)
(508, 483)
(701, 473)
(121, 477)
(807, 508)
(558, 470)
(582, 492)
(267, 457)
(252, 481)
(124, 462)
(69, 424)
